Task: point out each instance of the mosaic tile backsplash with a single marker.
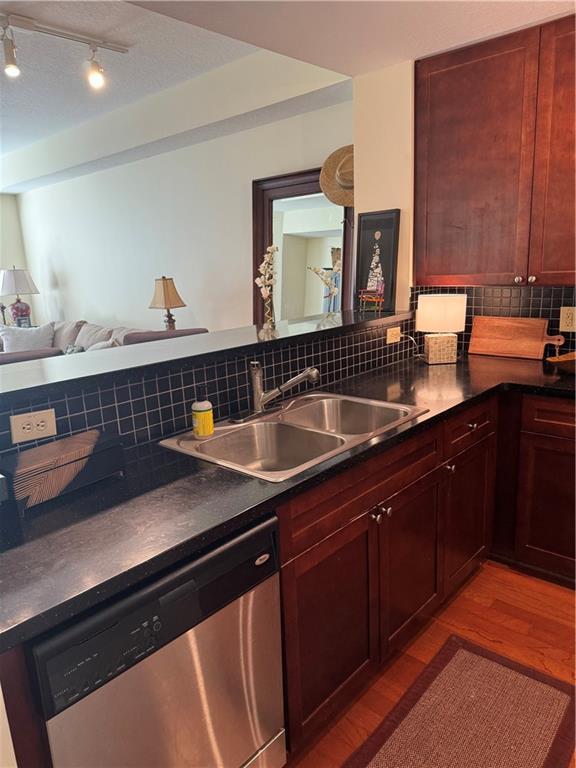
(527, 301)
(145, 405)
(148, 404)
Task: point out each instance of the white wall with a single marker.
(11, 244)
(384, 155)
(173, 117)
(94, 244)
(293, 277)
(7, 757)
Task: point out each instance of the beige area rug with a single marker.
(471, 708)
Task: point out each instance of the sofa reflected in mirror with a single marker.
(74, 337)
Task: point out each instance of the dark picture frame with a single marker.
(378, 234)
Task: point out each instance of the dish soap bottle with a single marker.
(202, 417)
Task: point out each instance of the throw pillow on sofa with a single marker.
(103, 345)
(16, 339)
(91, 334)
(66, 332)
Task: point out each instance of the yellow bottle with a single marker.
(202, 418)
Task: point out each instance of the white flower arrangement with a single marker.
(266, 282)
(328, 277)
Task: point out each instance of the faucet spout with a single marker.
(261, 398)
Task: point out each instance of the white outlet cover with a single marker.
(33, 426)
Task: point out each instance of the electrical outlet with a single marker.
(567, 319)
(393, 335)
(33, 426)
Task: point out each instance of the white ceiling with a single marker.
(51, 93)
(357, 37)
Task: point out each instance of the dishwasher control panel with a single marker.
(82, 668)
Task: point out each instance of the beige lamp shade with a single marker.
(14, 282)
(441, 312)
(165, 294)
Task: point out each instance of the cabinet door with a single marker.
(545, 511)
(410, 567)
(553, 203)
(475, 124)
(468, 511)
(330, 613)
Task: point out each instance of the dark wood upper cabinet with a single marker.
(475, 120)
(553, 203)
(494, 177)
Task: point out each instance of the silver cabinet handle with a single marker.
(518, 279)
(385, 510)
(451, 468)
(473, 426)
(531, 278)
(376, 516)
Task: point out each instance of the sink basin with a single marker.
(267, 449)
(345, 416)
(306, 431)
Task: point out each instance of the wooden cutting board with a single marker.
(511, 337)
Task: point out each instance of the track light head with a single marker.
(11, 68)
(95, 71)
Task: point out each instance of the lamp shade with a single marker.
(15, 282)
(441, 312)
(165, 294)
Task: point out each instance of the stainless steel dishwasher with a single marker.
(184, 673)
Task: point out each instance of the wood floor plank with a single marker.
(516, 615)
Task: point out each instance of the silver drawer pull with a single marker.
(262, 559)
(376, 516)
(451, 468)
(473, 427)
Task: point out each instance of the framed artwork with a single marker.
(376, 260)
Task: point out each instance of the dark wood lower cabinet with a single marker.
(545, 504)
(410, 561)
(330, 606)
(468, 511)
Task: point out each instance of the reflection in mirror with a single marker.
(308, 231)
(128, 209)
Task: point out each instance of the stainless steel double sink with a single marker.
(304, 432)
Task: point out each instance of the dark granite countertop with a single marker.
(93, 544)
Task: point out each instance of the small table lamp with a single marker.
(14, 282)
(444, 314)
(166, 297)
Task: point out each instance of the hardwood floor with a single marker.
(518, 616)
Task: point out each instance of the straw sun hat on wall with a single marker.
(337, 176)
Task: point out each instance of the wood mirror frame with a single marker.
(264, 192)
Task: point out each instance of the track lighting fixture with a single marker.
(95, 75)
(94, 69)
(11, 68)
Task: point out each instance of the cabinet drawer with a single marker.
(469, 427)
(548, 416)
(319, 512)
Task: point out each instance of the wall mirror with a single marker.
(311, 234)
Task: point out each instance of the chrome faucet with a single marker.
(260, 398)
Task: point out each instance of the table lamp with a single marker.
(166, 297)
(441, 316)
(14, 282)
